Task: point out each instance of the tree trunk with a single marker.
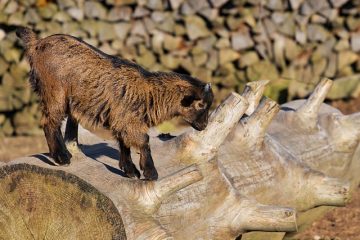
(251, 169)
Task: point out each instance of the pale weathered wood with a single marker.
(242, 173)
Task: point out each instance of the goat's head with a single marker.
(195, 104)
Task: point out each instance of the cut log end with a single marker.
(308, 113)
(268, 218)
(253, 92)
(40, 202)
(331, 192)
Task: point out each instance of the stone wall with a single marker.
(293, 43)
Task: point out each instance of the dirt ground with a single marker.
(339, 224)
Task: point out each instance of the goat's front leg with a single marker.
(146, 161)
(125, 162)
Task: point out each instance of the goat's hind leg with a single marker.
(55, 141)
(71, 134)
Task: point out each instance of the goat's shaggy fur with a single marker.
(74, 79)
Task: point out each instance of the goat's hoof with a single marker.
(62, 158)
(131, 171)
(150, 174)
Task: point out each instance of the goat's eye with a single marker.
(187, 101)
(201, 105)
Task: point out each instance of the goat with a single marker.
(74, 79)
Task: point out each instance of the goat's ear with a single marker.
(187, 100)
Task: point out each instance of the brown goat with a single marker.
(74, 79)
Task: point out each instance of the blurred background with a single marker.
(293, 43)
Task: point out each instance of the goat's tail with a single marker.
(27, 35)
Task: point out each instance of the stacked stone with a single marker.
(226, 42)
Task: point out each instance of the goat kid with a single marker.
(74, 79)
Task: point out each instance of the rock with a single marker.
(295, 4)
(275, 4)
(206, 44)
(175, 4)
(53, 27)
(94, 10)
(11, 7)
(122, 29)
(317, 5)
(248, 59)
(353, 23)
(2, 34)
(141, 12)
(168, 25)
(2, 118)
(227, 55)
(318, 19)
(241, 40)
(319, 67)
(31, 16)
(47, 11)
(62, 17)
(158, 16)
(329, 14)
(346, 58)
(134, 40)
(91, 27)
(186, 9)
(331, 68)
(235, 22)
(317, 32)
(16, 19)
(342, 45)
(7, 128)
(3, 66)
(338, 3)
(65, 3)
(138, 28)
(209, 13)
(324, 49)
(223, 43)
(12, 54)
(76, 13)
(170, 61)
(198, 5)
(288, 27)
(300, 36)
(292, 50)
(71, 27)
(306, 9)
(179, 30)
(200, 59)
(154, 4)
(117, 45)
(262, 70)
(120, 13)
(343, 87)
(355, 41)
(196, 27)
(106, 48)
(172, 43)
(120, 2)
(213, 60)
(106, 31)
(218, 3)
(146, 59)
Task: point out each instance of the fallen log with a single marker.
(240, 174)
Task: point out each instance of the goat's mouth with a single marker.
(198, 126)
